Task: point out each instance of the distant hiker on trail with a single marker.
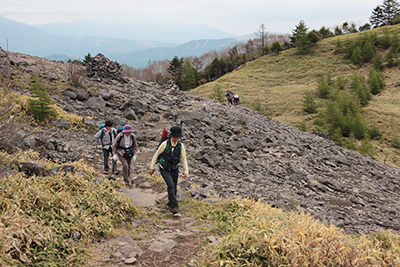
(229, 96)
(236, 100)
(125, 146)
(105, 137)
(168, 155)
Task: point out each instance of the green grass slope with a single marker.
(279, 83)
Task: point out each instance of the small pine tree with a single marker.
(314, 36)
(309, 104)
(338, 30)
(361, 89)
(377, 62)
(304, 45)
(218, 94)
(368, 52)
(334, 116)
(88, 58)
(376, 82)
(40, 105)
(340, 83)
(266, 50)
(356, 56)
(359, 128)
(350, 142)
(350, 45)
(365, 27)
(188, 76)
(391, 58)
(276, 48)
(337, 137)
(175, 69)
(324, 87)
(300, 39)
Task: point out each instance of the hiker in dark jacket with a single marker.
(105, 137)
(125, 146)
(169, 154)
(229, 96)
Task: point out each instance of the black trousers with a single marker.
(106, 157)
(171, 179)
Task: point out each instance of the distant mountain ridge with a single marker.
(41, 40)
(172, 33)
(192, 48)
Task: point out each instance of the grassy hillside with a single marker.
(279, 83)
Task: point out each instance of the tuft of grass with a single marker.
(255, 234)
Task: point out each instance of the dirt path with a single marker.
(158, 240)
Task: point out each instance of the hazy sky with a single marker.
(237, 17)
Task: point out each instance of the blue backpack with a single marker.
(120, 129)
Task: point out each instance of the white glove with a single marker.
(115, 157)
(134, 158)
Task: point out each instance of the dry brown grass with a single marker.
(38, 215)
(259, 235)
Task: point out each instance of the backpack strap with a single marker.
(119, 141)
(102, 134)
(169, 143)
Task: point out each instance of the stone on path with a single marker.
(139, 198)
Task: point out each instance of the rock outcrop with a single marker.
(103, 69)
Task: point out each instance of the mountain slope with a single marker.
(279, 83)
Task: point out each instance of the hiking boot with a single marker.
(116, 172)
(175, 210)
(105, 172)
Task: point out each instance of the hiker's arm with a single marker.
(160, 150)
(134, 145)
(184, 161)
(114, 145)
(97, 137)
